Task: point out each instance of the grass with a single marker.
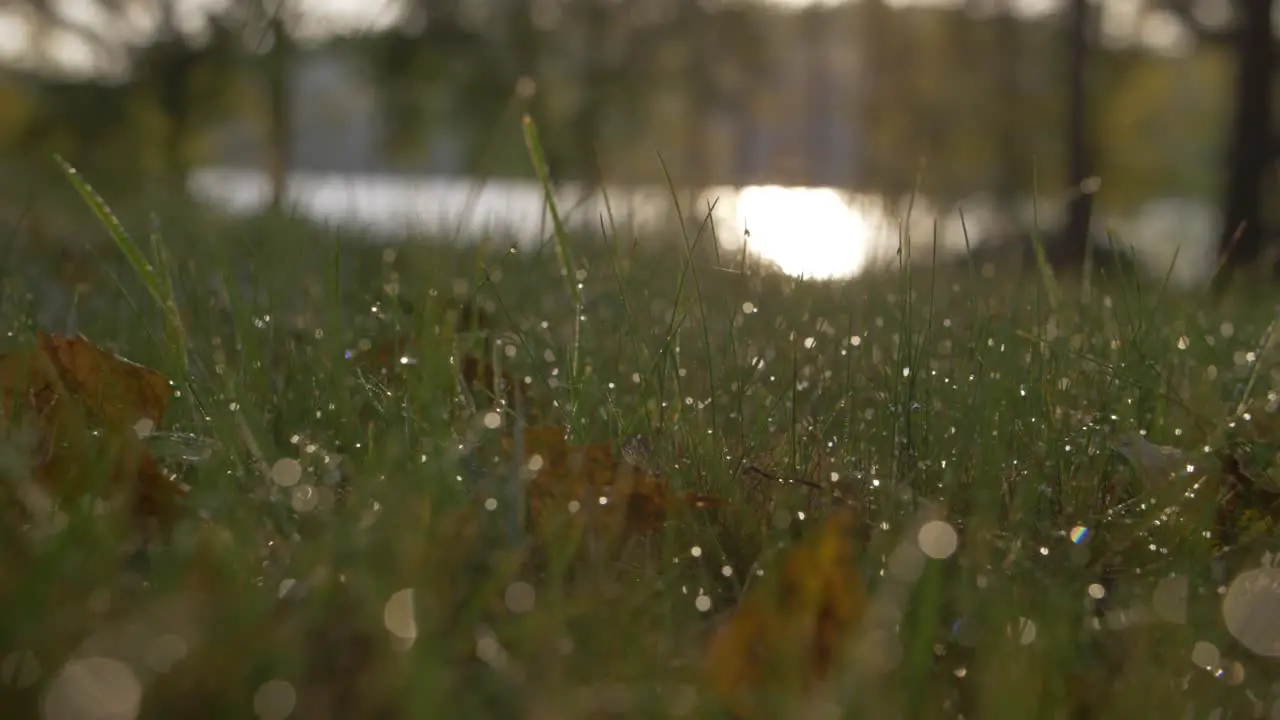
(915, 391)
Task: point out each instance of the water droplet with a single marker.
(286, 472)
(520, 597)
(93, 688)
(937, 539)
(275, 700)
(1206, 655)
(398, 615)
(1251, 610)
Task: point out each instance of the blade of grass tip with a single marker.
(539, 160)
(711, 206)
(537, 157)
(680, 281)
(485, 156)
(160, 291)
(1037, 244)
(175, 329)
(1256, 370)
(1086, 277)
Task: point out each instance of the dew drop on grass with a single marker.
(1205, 655)
(702, 603)
(490, 651)
(286, 472)
(937, 539)
(695, 551)
(305, 498)
(398, 615)
(492, 420)
(93, 688)
(906, 563)
(520, 597)
(275, 700)
(1096, 591)
(165, 651)
(1026, 631)
(1078, 534)
(1251, 610)
(144, 427)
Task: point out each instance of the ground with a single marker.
(918, 494)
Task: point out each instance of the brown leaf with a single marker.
(119, 392)
(84, 404)
(627, 499)
(793, 628)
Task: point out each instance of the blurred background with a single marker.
(818, 133)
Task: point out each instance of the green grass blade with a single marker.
(157, 283)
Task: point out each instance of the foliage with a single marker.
(716, 88)
(928, 497)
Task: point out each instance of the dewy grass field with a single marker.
(922, 494)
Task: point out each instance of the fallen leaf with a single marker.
(118, 391)
(792, 629)
(89, 409)
(623, 498)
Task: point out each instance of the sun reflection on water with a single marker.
(816, 232)
(813, 232)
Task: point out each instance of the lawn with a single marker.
(921, 494)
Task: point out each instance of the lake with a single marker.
(806, 231)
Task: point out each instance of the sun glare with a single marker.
(804, 231)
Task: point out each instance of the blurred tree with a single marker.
(191, 79)
(1070, 246)
(1141, 153)
(726, 50)
(1248, 28)
(437, 71)
(595, 28)
(1253, 145)
(280, 63)
(1013, 165)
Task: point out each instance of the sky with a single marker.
(1121, 19)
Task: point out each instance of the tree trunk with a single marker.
(280, 124)
(1249, 155)
(172, 61)
(1072, 244)
(594, 81)
(1012, 174)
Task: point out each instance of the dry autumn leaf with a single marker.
(589, 479)
(88, 408)
(795, 626)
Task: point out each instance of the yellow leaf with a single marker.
(798, 623)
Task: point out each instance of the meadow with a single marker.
(932, 491)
